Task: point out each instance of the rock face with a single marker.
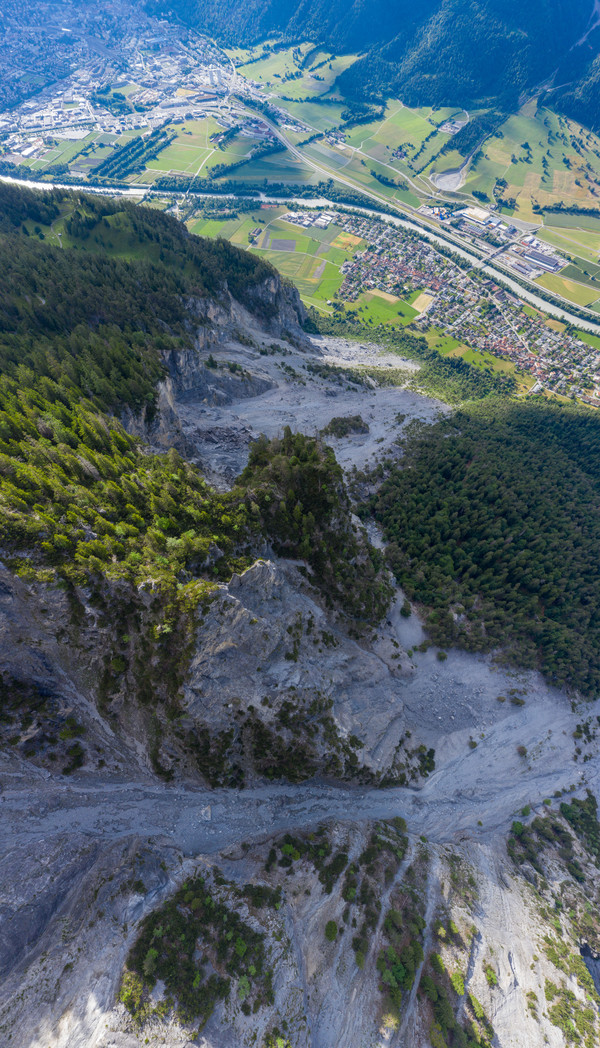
(267, 646)
(194, 375)
(108, 804)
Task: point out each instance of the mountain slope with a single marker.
(434, 53)
(97, 339)
(135, 648)
(578, 80)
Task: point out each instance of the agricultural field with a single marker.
(581, 244)
(542, 157)
(194, 150)
(413, 131)
(379, 307)
(359, 169)
(310, 257)
(297, 72)
(592, 340)
(580, 294)
(315, 114)
(444, 344)
(61, 152)
(587, 222)
(280, 167)
(83, 154)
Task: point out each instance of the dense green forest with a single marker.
(83, 336)
(431, 53)
(297, 485)
(493, 523)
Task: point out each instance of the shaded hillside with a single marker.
(578, 80)
(431, 53)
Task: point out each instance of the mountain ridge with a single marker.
(460, 52)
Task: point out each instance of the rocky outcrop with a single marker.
(267, 649)
(219, 327)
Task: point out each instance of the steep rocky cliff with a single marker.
(236, 808)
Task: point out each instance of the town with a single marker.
(466, 305)
(119, 73)
(140, 75)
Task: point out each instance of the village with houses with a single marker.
(466, 305)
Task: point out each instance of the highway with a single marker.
(407, 217)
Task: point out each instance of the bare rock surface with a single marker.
(84, 857)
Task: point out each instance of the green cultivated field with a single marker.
(311, 257)
(318, 116)
(97, 147)
(281, 167)
(591, 340)
(193, 152)
(543, 157)
(581, 243)
(574, 292)
(297, 72)
(376, 309)
(414, 131)
(566, 221)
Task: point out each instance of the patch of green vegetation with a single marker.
(296, 491)
(275, 1039)
(490, 974)
(446, 994)
(577, 1021)
(200, 948)
(344, 425)
(378, 862)
(479, 523)
(527, 844)
(314, 848)
(583, 817)
(331, 931)
(572, 964)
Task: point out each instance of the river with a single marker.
(522, 292)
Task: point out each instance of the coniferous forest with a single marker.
(84, 331)
(492, 514)
(493, 523)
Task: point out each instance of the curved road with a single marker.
(412, 222)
